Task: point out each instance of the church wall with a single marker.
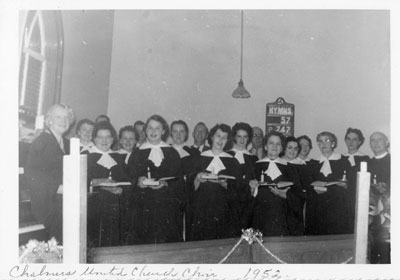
(87, 61)
(333, 65)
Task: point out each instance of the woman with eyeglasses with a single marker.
(327, 210)
(105, 208)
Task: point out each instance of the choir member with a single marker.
(305, 147)
(354, 140)
(159, 197)
(44, 169)
(215, 202)
(242, 134)
(295, 214)
(257, 148)
(139, 127)
(104, 168)
(275, 184)
(327, 206)
(379, 167)
(84, 130)
(128, 138)
(200, 134)
(102, 118)
(189, 156)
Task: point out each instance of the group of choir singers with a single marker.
(170, 192)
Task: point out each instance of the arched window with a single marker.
(40, 63)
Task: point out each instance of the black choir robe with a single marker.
(380, 232)
(189, 173)
(157, 215)
(268, 212)
(244, 193)
(215, 211)
(352, 185)
(328, 213)
(44, 174)
(107, 211)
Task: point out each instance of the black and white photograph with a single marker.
(200, 143)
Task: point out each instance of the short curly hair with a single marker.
(242, 126)
(359, 134)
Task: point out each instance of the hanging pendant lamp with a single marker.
(241, 91)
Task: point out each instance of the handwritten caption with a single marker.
(132, 272)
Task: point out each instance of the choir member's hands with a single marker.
(140, 182)
(199, 179)
(60, 189)
(161, 184)
(253, 186)
(113, 190)
(342, 184)
(279, 192)
(223, 183)
(381, 187)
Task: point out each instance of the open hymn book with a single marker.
(279, 185)
(112, 184)
(323, 186)
(154, 182)
(211, 176)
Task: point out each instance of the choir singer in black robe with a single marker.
(274, 188)
(159, 197)
(216, 207)
(327, 210)
(379, 167)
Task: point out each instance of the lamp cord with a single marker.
(241, 45)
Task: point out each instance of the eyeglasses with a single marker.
(257, 135)
(327, 141)
(107, 138)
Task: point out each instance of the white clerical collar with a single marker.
(241, 151)
(182, 152)
(333, 156)
(277, 160)
(147, 145)
(123, 151)
(297, 161)
(94, 149)
(381, 156)
(209, 153)
(358, 153)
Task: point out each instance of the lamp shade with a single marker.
(240, 91)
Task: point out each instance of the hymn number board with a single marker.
(280, 117)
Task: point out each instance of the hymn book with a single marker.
(279, 185)
(153, 182)
(217, 177)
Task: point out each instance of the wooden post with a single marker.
(74, 205)
(362, 209)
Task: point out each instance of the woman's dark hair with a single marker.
(102, 117)
(359, 134)
(184, 125)
(139, 122)
(305, 137)
(224, 128)
(104, 126)
(129, 128)
(164, 124)
(274, 133)
(330, 135)
(242, 126)
(292, 139)
(82, 122)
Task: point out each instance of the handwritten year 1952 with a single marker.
(258, 274)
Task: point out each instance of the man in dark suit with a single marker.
(200, 133)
